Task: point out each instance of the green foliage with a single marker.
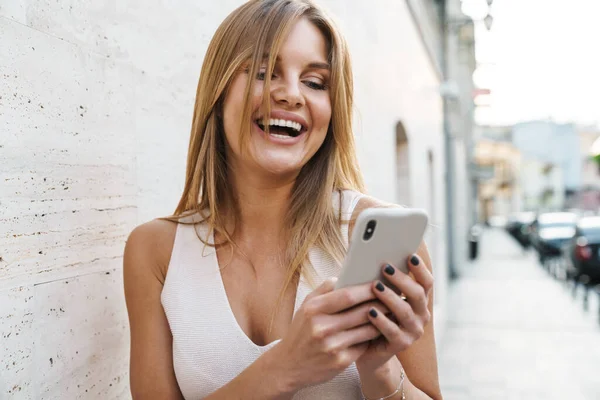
(596, 159)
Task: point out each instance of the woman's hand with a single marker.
(406, 320)
(330, 331)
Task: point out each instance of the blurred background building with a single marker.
(543, 108)
(537, 166)
(498, 163)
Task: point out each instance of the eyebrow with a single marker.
(319, 65)
(312, 65)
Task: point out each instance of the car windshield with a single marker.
(557, 220)
(592, 234)
(557, 225)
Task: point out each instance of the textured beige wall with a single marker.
(95, 108)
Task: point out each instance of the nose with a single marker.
(287, 93)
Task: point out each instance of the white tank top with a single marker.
(209, 347)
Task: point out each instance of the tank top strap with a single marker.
(189, 247)
(349, 200)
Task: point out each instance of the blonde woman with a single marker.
(232, 297)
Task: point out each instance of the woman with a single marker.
(221, 296)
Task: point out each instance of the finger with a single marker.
(354, 352)
(403, 311)
(342, 299)
(397, 339)
(348, 338)
(354, 317)
(421, 272)
(413, 291)
(327, 286)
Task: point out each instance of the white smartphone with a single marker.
(381, 236)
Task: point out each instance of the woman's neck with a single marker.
(263, 204)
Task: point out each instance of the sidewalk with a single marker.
(514, 332)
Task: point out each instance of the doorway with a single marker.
(402, 167)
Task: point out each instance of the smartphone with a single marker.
(381, 236)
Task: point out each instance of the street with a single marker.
(515, 332)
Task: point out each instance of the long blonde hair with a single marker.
(245, 37)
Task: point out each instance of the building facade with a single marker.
(499, 164)
(459, 56)
(552, 143)
(448, 35)
(588, 197)
(95, 115)
(551, 168)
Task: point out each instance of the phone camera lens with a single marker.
(369, 230)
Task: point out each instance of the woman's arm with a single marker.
(419, 360)
(146, 257)
(147, 254)
(259, 381)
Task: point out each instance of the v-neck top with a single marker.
(209, 347)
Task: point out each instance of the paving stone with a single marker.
(514, 331)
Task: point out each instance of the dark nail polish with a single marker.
(379, 286)
(414, 260)
(373, 313)
(389, 269)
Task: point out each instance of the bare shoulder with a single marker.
(149, 247)
(372, 202)
(145, 261)
(364, 203)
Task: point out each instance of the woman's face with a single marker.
(300, 107)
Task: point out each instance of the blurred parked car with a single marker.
(497, 221)
(550, 232)
(582, 252)
(518, 225)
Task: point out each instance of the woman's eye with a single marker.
(315, 85)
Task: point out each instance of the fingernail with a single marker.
(379, 286)
(373, 313)
(414, 260)
(389, 269)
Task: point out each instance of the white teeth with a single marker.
(281, 136)
(285, 123)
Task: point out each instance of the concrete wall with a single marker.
(95, 108)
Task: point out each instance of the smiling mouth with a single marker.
(282, 127)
